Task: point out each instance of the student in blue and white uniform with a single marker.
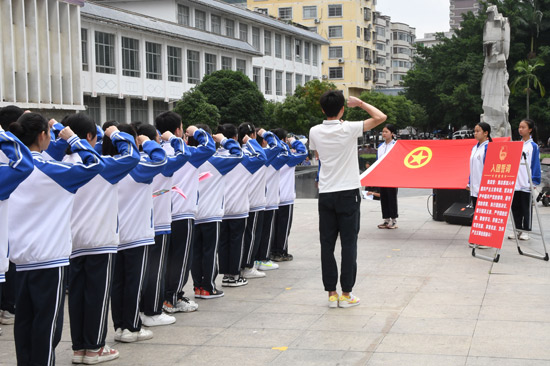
(15, 165)
(388, 195)
(256, 191)
(209, 216)
(237, 205)
(40, 237)
(201, 146)
(136, 233)
(522, 208)
(482, 133)
(287, 188)
(153, 292)
(94, 226)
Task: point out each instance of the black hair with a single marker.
(81, 124)
(332, 102)
(245, 129)
(9, 114)
(391, 127)
(168, 121)
(108, 148)
(228, 130)
(259, 138)
(136, 125)
(28, 127)
(280, 133)
(485, 127)
(531, 125)
(191, 140)
(147, 130)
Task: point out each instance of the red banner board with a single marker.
(495, 193)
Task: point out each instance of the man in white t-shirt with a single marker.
(335, 143)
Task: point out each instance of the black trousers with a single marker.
(252, 238)
(339, 213)
(130, 268)
(522, 210)
(231, 246)
(38, 315)
(7, 300)
(283, 223)
(153, 289)
(266, 239)
(90, 279)
(204, 268)
(388, 201)
(179, 259)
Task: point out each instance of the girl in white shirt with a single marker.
(388, 195)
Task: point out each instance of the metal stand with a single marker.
(495, 259)
(534, 203)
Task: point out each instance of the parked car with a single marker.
(463, 134)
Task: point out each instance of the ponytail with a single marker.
(28, 127)
(245, 129)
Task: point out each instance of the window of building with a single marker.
(358, 32)
(309, 12)
(381, 75)
(216, 24)
(315, 55)
(174, 64)
(336, 72)
(288, 87)
(200, 19)
(381, 47)
(230, 28)
(278, 46)
(116, 109)
(368, 54)
(335, 52)
(307, 78)
(398, 77)
(241, 66)
(368, 34)
(405, 64)
(93, 108)
(381, 61)
(267, 43)
(402, 50)
(183, 14)
(130, 57)
(153, 61)
(256, 38)
(298, 79)
(307, 53)
(243, 32)
(209, 63)
(159, 107)
(256, 76)
(402, 36)
(312, 29)
(193, 67)
(262, 11)
(367, 14)
(288, 47)
(298, 48)
(278, 83)
(227, 63)
(105, 53)
(335, 31)
(139, 110)
(335, 10)
(285, 13)
(367, 73)
(268, 81)
(84, 36)
(359, 52)
(381, 31)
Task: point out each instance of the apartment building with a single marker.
(460, 7)
(349, 59)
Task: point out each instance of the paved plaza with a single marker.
(424, 301)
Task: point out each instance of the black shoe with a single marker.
(205, 294)
(287, 257)
(276, 258)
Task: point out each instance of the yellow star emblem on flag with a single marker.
(418, 158)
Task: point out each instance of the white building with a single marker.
(431, 39)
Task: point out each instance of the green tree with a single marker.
(526, 77)
(293, 115)
(235, 95)
(311, 92)
(193, 107)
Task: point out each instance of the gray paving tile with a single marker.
(426, 344)
(401, 359)
(334, 340)
(328, 358)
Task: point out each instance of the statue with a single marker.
(494, 83)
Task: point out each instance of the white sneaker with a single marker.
(118, 334)
(513, 236)
(267, 265)
(7, 318)
(252, 273)
(156, 320)
(144, 334)
(186, 306)
(523, 236)
(141, 335)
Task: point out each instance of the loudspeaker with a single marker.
(444, 198)
(459, 214)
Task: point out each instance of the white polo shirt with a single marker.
(336, 145)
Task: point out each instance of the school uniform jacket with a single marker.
(15, 166)
(94, 219)
(237, 181)
(273, 179)
(287, 185)
(256, 187)
(186, 179)
(40, 209)
(135, 198)
(177, 155)
(477, 161)
(57, 147)
(211, 190)
(532, 155)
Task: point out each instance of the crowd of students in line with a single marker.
(133, 208)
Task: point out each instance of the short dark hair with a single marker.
(280, 133)
(9, 114)
(228, 130)
(191, 140)
(147, 130)
(168, 121)
(332, 102)
(81, 124)
(108, 148)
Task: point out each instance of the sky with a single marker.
(427, 16)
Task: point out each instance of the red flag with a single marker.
(423, 164)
